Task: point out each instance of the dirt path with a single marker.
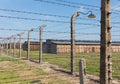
(62, 74)
(54, 71)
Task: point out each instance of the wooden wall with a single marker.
(84, 48)
(78, 48)
(65, 48)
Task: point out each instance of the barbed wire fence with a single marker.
(58, 52)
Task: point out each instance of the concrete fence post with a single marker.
(20, 43)
(14, 46)
(7, 45)
(0, 49)
(82, 71)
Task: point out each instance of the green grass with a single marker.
(63, 60)
(34, 55)
(92, 61)
(8, 75)
(40, 72)
(16, 72)
(116, 65)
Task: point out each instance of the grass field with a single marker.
(13, 71)
(92, 61)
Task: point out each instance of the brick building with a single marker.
(82, 46)
(34, 46)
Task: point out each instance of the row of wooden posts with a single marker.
(82, 63)
(105, 46)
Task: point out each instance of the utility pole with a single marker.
(10, 45)
(105, 50)
(73, 43)
(82, 71)
(20, 43)
(14, 45)
(73, 52)
(0, 49)
(3, 41)
(5, 49)
(41, 50)
(28, 49)
(7, 45)
(3, 46)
